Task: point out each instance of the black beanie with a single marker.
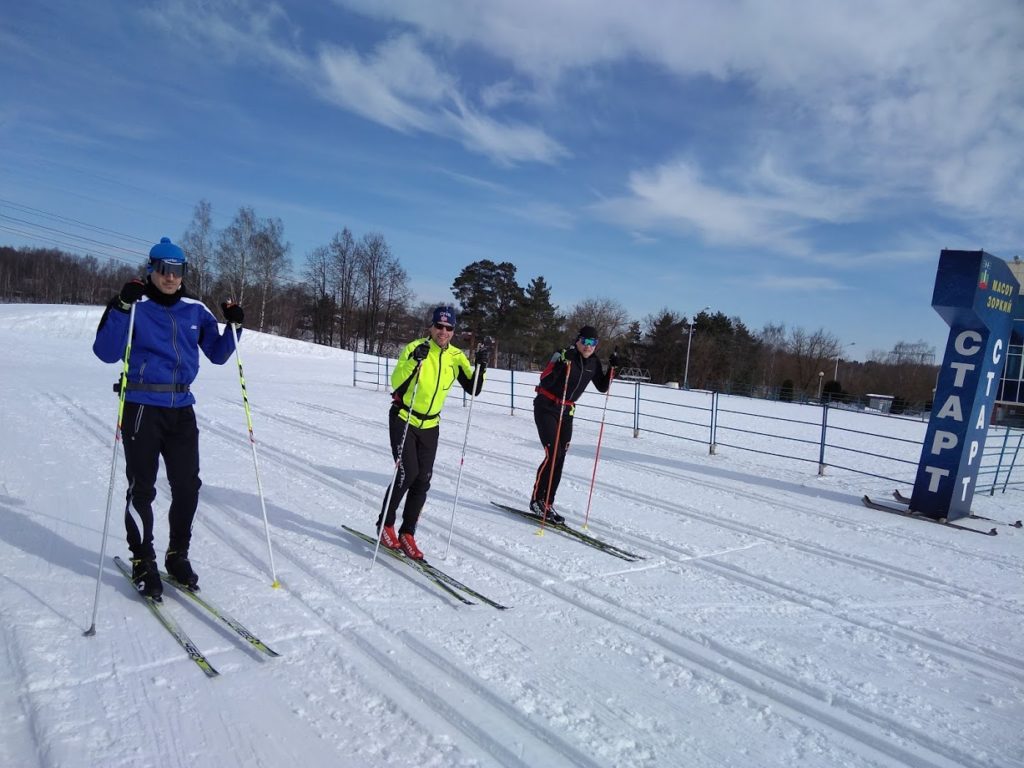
(587, 332)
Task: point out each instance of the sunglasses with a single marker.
(588, 341)
(443, 327)
(175, 268)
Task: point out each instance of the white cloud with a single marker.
(765, 206)
(504, 142)
(396, 86)
(907, 96)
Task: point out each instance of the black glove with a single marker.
(419, 354)
(615, 361)
(482, 356)
(233, 313)
(130, 293)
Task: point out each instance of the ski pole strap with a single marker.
(141, 387)
(554, 398)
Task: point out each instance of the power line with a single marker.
(58, 217)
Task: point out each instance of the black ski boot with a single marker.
(147, 578)
(180, 569)
(546, 511)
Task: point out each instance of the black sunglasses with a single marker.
(443, 327)
(176, 268)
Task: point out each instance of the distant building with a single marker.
(880, 403)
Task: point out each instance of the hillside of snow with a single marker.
(774, 621)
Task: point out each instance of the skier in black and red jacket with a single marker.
(562, 381)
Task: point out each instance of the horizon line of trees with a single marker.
(354, 293)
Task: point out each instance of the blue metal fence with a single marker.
(831, 436)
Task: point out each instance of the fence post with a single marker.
(636, 409)
(824, 430)
(1013, 461)
(713, 445)
(354, 366)
(999, 463)
(512, 392)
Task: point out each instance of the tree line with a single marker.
(353, 293)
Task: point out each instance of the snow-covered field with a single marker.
(774, 621)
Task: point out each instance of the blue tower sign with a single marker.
(975, 293)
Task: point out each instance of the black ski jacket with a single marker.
(581, 371)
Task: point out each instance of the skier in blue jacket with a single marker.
(170, 329)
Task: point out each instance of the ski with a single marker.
(871, 504)
(580, 536)
(169, 623)
(1015, 524)
(451, 581)
(218, 614)
(448, 584)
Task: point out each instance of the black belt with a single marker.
(400, 406)
(141, 387)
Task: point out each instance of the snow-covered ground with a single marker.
(774, 621)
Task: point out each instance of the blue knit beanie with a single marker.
(165, 250)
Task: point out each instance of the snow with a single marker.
(773, 622)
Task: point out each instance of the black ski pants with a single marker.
(414, 471)
(546, 414)
(149, 432)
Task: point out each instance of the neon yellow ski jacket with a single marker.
(437, 373)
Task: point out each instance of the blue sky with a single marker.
(789, 162)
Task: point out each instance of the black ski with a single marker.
(218, 614)
(1015, 524)
(448, 584)
(871, 504)
(169, 623)
(580, 536)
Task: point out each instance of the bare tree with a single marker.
(343, 280)
(378, 277)
(234, 249)
(810, 354)
(395, 298)
(317, 275)
(773, 343)
(269, 262)
(197, 242)
(608, 316)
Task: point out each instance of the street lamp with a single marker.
(835, 376)
(689, 340)
(821, 378)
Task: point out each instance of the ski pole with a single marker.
(554, 448)
(255, 460)
(398, 463)
(113, 468)
(597, 455)
(462, 461)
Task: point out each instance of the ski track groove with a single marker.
(999, 662)
(352, 634)
(801, 699)
(25, 695)
(799, 507)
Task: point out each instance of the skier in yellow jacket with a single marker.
(426, 370)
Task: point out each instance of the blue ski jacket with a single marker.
(168, 334)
